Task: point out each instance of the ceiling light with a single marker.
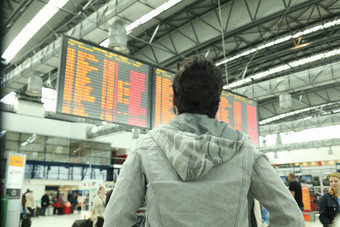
(147, 17)
(32, 138)
(281, 40)
(278, 117)
(301, 46)
(39, 20)
(29, 140)
(298, 44)
(76, 150)
(281, 68)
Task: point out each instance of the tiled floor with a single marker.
(67, 220)
(314, 224)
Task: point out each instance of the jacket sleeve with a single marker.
(128, 194)
(267, 187)
(324, 219)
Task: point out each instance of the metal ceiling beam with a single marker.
(14, 15)
(282, 54)
(314, 98)
(95, 131)
(96, 19)
(322, 40)
(181, 17)
(294, 82)
(208, 35)
(299, 125)
(300, 146)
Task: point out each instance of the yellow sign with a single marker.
(16, 161)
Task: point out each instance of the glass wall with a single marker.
(66, 171)
(60, 158)
(54, 149)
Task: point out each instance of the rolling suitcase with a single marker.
(82, 223)
(37, 211)
(26, 221)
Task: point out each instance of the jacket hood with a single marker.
(195, 144)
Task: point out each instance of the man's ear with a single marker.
(175, 110)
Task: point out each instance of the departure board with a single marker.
(162, 111)
(97, 83)
(238, 111)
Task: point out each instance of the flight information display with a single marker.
(162, 111)
(239, 112)
(100, 84)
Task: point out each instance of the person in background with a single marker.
(79, 202)
(196, 170)
(70, 198)
(265, 217)
(57, 204)
(24, 209)
(45, 202)
(99, 208)
(75, 203)
(108, 195)
(295, 189)
(330, 202)
(25, 220)
(30, 202)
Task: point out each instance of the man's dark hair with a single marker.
(198, 87)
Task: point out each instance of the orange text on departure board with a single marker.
(123, 92)
(86, 68)
(82, 92)
(163, 101)
(223, 112)
(68, 83)
(110, 72)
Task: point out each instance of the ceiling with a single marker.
(194, 27)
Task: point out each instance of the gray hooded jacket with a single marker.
(196, 171)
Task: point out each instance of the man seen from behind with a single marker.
(195, 170)
(295, 189)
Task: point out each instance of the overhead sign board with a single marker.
(100, 84)
(162, 111)
(240, 113)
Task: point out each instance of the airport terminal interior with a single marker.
(84, 80)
